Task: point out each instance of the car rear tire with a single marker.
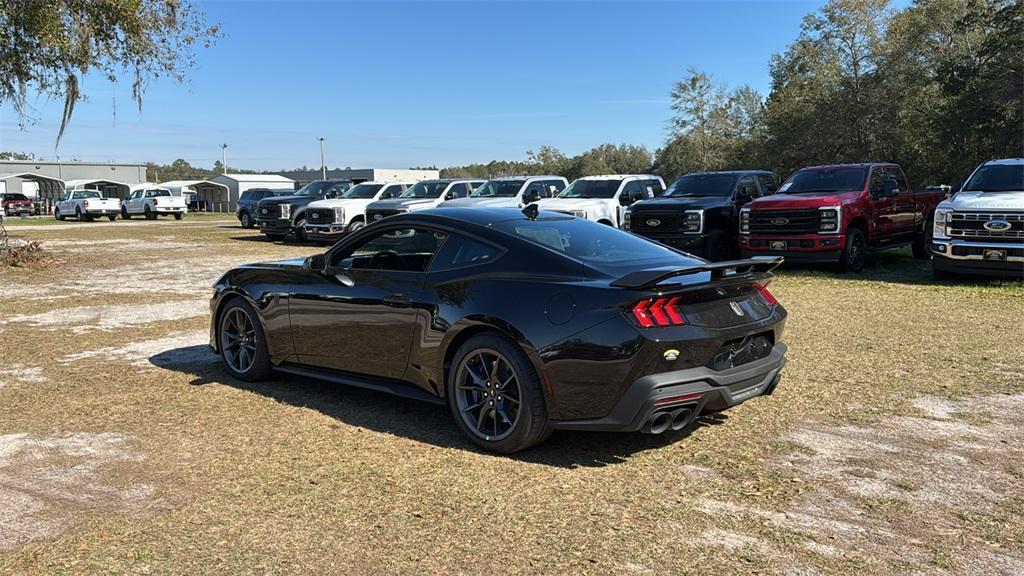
(854, 254)
(922, 242)
(124, 214)
(495, 395)
(300, 230)
(242, 344)
(149, 214)
(78, 215)
(112, 217)
(245, 219)
(714, 246)
(179, 216)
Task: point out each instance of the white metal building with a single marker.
(238, 183)
(36, 186)
(201, 194)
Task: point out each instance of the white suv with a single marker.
(421, 196)
(980, 229)
(510, 192)
(604, 198)
(329, 219)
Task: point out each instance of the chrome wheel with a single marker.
(488, 394)
(238, 340)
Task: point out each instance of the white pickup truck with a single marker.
(979, 230)
(510, 192)
(150, 200)
(83, 204)
(331, 218)
(603, 199)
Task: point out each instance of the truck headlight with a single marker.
(693, 221)
(942, 218)
(745, 221)
(286, 210)
(339, 215)
(829, 219)
(579, 213)
(627, 218)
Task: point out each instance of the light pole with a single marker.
(323, 165)
(224, 158)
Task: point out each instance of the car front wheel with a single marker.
(355, 225)
(854, 254)
(242, 344)
(495, 395)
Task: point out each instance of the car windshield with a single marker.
(849, 179)
(15, 197)
(591, 189)
(997, 178)
(86, 194)
(154, 193)
(498, 189)
(363, 191)
(425, 190)
(703, 185)
(598, 245)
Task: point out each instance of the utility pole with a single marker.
(323, 165)
(224, 158)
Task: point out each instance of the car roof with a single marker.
(375, 182)
(617, 176)
(736, 172)
(479, 216)
(1005, 162)
(851, 165)
(538, 177)
(450, 180)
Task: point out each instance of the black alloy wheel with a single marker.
(855, 253)
(246, 220)
(300, 230)
(242, 344)
(488, 394)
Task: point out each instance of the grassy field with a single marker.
(894, 444)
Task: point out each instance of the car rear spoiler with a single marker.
(730, 269)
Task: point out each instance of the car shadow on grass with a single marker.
(892, 266)
(419, 421)
(289, 241)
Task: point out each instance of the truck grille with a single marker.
(268, 211)
(320, 216)
(971, 226)
(379, 214)
(805, 221)
(655, 222)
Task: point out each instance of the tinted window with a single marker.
(461, 251)
(841, 179)
(393, 191)
(591, 189)
(748, 182)
(425, 190)
(13, 196)
(498, 189)
(459, 190)
(767, 183)
(157, 193)
(587, 241)
(893, 173)
(655, 187)
(405, 250)
(703, 185)
(997, 178)
(553, 188)
(634, 191)
(877, 181)
(86, 194)
(364, 191)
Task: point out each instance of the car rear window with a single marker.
(592, 243)
(14, 196)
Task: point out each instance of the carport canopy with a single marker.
(47, 188)
(109, 188)
(203, 192)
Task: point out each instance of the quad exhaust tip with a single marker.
(674, 420)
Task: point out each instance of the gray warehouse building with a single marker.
(20, 175)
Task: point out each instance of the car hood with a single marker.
(338, 203)
(404, 204)
(287, 200)
(682, 203)
(986, 201)
(808, 200)
(572, 203)
(277, 264)
(482, 202)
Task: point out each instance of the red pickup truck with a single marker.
(838, 214)
(15, 204)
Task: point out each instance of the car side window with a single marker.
(633, 191)
(767, 184)
(459, 251)
(536, 188)
(655, 188)
(747, 183)
(897, 175)
(553, 188)
(398, 250)
(459, 190)
(877, 182)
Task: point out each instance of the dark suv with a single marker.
(699, 213)
(279, 216)
(246, 210)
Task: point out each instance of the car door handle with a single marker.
(396, 300)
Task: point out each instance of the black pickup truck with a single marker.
(699, 213)
(279, 216)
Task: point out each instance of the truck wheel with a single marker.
(300, 230)
(922, 243)
(245, 220)
(57, 215)
(714, 246)
(853, 256)
(112, 217)
(124, 213)
(241, 342)
(149, 214)
(495, 395)
(179, 216)
(355, 225)
(78, 215)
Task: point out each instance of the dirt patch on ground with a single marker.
(82, 319)
(48, 481)
(16, 373)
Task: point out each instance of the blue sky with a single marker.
(400, 84)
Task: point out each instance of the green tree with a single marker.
(48, 46)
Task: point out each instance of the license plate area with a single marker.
(778, 245)
(743, 351)
(994, 255)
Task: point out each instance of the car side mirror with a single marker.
(450, 196)
(316, 263)
(625, 200)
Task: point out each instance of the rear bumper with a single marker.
(170, 210)
(101, 211)
(697, 389)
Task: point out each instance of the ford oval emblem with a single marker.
(654, 222)
(780, 221)
(997, 225)
(316, 214)
(377, 216)
(263, 210)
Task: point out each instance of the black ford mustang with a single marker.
(521, 322)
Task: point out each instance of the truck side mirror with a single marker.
(625, 199)
(316, 263)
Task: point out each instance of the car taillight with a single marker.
(658, 312)
(768, 296)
